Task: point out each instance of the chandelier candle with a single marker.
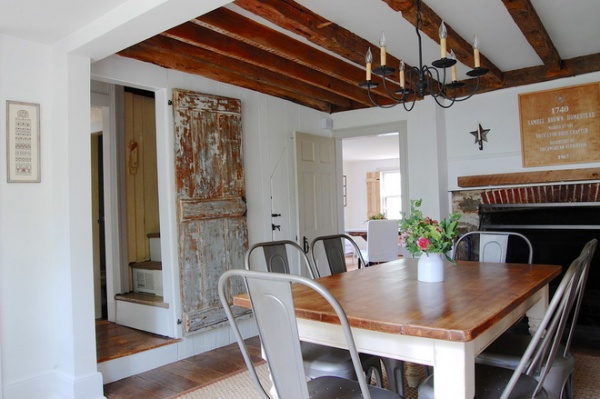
(443, 35)
(416, 82)
(369, 61)
(383, 52)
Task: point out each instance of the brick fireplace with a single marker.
(557, 217)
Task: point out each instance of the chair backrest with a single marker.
(545, 343)
(273, 307)
(382, 240)
(493, 245)
(333, 249)
(282, 256)
(586, 258)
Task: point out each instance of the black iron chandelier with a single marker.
(428, 80)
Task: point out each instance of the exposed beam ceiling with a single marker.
(281, 48)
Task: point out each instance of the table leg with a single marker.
(536, 313)
(454, 362)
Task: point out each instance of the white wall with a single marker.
(426, 166)
(27, 284)
(355, 212)
(441, 148)
(47, 326)
(499, 112)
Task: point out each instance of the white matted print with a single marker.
(23, 142)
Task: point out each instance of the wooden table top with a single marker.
(388, 297)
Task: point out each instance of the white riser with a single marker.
(117, 369)
(153, 319)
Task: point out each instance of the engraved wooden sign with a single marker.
(560, 126)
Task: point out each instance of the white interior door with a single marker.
(281, 208)
(317, 187)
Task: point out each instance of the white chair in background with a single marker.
(492, 247)
(382, 241)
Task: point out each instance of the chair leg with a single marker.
(372, 368)
(395, 374)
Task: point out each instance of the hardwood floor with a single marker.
(113, 341)
(172, 379)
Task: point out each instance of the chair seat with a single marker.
(490, 383)
(321, 388)
(507, 351)
(322, 360)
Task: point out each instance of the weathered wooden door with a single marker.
(212, 231)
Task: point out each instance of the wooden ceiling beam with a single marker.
(336, 91)
(528, 20)
(430, 26)
(297, 19)
(538, 74)
(172, 54)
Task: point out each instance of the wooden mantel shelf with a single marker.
(548, 176)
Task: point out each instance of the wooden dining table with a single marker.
(444, 325)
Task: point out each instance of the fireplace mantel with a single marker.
(512, 179)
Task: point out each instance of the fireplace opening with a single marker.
(558, 232)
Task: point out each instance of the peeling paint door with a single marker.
(212, 231)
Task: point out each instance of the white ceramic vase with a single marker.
(430, 268)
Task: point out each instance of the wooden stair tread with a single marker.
(146, 265)
(114, 341)
(143, 299)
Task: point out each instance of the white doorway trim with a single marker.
(377, 129)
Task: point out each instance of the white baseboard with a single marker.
(56, 386)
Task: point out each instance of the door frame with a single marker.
(373, 130)
(117, 273)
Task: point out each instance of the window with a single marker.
(391, 199)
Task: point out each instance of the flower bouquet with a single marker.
(421, 234)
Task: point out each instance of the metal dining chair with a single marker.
(331, 251)
(490, 246)
(287, 257)
(382, 241)
(507, 350)
(528, 378)
(273, 307)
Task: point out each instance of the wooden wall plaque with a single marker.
(560, 126)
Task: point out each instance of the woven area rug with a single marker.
(237, 386)
(586, 384)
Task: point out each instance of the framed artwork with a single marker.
(23, 142)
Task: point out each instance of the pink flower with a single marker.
(423, 243)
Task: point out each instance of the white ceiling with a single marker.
(367, 148)
(48, 21)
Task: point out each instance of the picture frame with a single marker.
(23, 142)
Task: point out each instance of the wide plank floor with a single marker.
(175, 378)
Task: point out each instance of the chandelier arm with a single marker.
(389, 94)
(421, 79)
(377, 104)
(412, 104)
(465, 97)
